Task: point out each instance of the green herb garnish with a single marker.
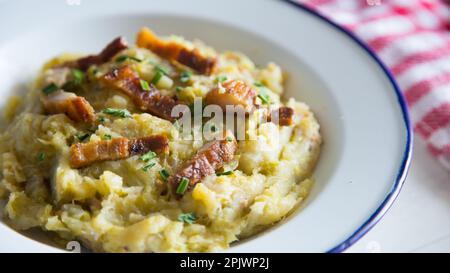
(187, 217)
(162, 69)
(258, 84)
(101, 119)
(264, 98)
(78, 76)
(221, 78)
(182, 187)
(148, 156)
(123, 58)
(41, 156)
(144, 85)
(185, 76)
(107, 137)
(50, 88)
(148, 166)
(122, 113)
(157, 77)
(229, 139)
(83, 137)
(164, 174)
(178, 88)
(224, 173)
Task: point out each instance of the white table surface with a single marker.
(419, 220)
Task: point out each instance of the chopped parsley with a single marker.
(83, 137)
(185, 76)
(123, 58)
(224, 173)
(182, 187)
(148, 166)
(122, 113)
(50, 89)
(107, 137)
(164, 174)
(157, 77)
(41, 156)
(187, 217)
(148, 156)
(144, 85)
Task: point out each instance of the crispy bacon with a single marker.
(152, 101)
(233, 92)
(283, 116)
(192, 58)
(76, 108)
(104, 56)
(84, 154)
(207, 161)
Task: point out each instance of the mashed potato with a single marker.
(116, 205)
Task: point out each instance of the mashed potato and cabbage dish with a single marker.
(94, 152)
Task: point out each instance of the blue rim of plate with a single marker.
(403, 171)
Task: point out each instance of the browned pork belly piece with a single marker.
(151, 101)
(104, 56)
(207, 161)
(283, 116)
(232, 92)
(174, 51)
(76, 108)
(84, 154)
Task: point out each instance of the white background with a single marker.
(419, 220)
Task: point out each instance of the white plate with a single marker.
(365, 126)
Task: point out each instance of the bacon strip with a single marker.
(233, 92)
(76, 108)
(206, 162)
(283, 116)
(84, 154)
(104, 56)
(176, 52)
(128, 81)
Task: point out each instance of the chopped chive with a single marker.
(182, 187)
(264, 98)
(78, 76)
(185, 76)
(107, 137)
(229, 139)
(178, 88)
(83, 137)
(164, 174)
(148, 156)
(162, 69)
(101, 119)
(258, 84)
(50, 88)
(123, 113)
(123, 58)
(41, 156)
(148, 166)
(157, 77)
(224, 173)
(221, 78)
(187, 217)
(144, 85)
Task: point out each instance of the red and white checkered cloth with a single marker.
(412, 37)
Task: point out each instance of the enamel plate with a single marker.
(366, 130)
